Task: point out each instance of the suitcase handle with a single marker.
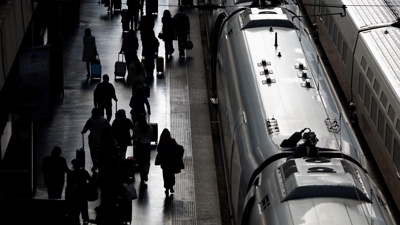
(120, 53)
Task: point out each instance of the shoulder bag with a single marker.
(189, 44)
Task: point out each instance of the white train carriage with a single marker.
(289, 155)
(363, 49)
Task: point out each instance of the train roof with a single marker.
(383, 44)
(291, 79)
(368, 14)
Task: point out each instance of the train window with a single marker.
(334, 34)
(363, 63)
(339, 45)
(388, 141)
(344, 53)
(381, 124)
(373, 110)
(398, 126)
(361, 86)
(331, 26)
(396, 155)
(370, 75)
(376, 86)
(383, 100)
(391, 113)
(366, 99)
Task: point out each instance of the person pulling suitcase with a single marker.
(103, 95)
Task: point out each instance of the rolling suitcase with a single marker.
(124, 211)
(120, 67)
(130, 165)
(125, 26)
(80, 153)
(153, 5)
(117, 4)
(160, 65)
(95, 68)
(154, 136)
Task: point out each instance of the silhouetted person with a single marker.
(142, 135)
(165, 150)
(110, 5)
(130, 45)
(111, 183)
(89, 49)
(103, 95)
(54, 168)
(106, 147)
(136, 74)
(169, 32)
(150, 48)
(182, 29)
(133, 10)
(146, 23)
(137, 103)
(95, 124)
(121, 128)
(75, 193)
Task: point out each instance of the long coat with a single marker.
(169, 28)
(89, 48)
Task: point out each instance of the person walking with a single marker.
(146, 24)
(89, 49)
(182, 29)
(106, 147)
(133, 10)
(168, 31)
(54, 168)
(103, 95)
(121, 128)
(111, 182)
(110, 6)
(75, 193)
(136, 74)
(166, 155)
(130, 45)
(137, 102)
(150, 48)
(142, 136)
(95, 125)
(111, 176)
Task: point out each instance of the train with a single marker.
(290, 153)
(361, 40)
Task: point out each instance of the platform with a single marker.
(178, 101)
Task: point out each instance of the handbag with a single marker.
(129, 192)
(158, 160)
(189, 44)
(160, 35)
(178, 158)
